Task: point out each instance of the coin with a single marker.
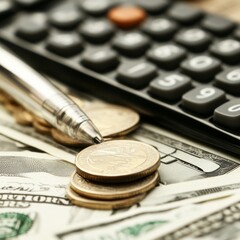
(42, 121)
(41, 128)
(102, 204)
(117, 161)
(113, 191)
(23, 117)
(12, 107)
(112, 120)
(63, 138)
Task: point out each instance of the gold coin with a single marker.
(42, 121)
(113, 191)
(117, 161)
(63, 138)
(102, 204)
(41, 128)
(23, 117)
(112, 120)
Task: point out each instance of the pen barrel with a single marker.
(63, 113)
(37, 94)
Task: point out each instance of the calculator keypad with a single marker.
(170, 60)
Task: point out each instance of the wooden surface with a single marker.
(228, 8)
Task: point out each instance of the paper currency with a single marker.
(32, 193)
(149, 224)
(220, 222)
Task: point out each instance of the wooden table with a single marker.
(228, 8)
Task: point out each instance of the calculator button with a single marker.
(218, 25)
(203, 100)
(29, 3)
(202, 68)
(136, 75)
(154, 6)
(184, 13)
(194, 39)
(65, 16)
(237, 33)
(131, 44)
(97, 31)
(228, 114)
(65, 44)
(227, 50)
(6, 8)
(167, 56)
(94, 7)
(229, 80)
(127, 16)
(160, 28)
(100, 60)
(32, 28)
(171, 86)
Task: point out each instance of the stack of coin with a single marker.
(114, 174)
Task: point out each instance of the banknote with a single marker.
(149, 224)
(222, 223)
(32, 193)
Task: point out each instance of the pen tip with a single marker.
(88, 133)
(97, 140)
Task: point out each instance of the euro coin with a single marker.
(112, 120)
(102, 204)
(117, 161)
(64, 139)
(108, 191)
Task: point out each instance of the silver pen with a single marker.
(38, 95)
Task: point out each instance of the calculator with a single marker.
(175, 64)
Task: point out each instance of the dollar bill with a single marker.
(32, 193)
(222, 222)
(152, 223)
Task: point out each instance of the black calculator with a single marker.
(175, 64)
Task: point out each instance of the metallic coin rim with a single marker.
(131, 188)
(40, 128)
(139, 172)
(42, 121)
(103, 204)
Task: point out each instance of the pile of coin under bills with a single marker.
(114, 174)
(112, 121)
